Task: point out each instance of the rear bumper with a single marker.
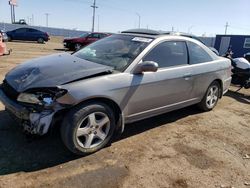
(226, 84)
(14, 108)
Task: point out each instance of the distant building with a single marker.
(240, 44)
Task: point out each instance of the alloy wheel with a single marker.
(92, 130)
(212, 96)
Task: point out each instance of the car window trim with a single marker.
(188, 54)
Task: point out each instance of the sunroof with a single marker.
(142, 31)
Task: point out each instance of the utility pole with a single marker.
(98, 23)
(47, 19)
(172, 28)
(33, 23)
(14, 15)
(139, 16)
(93, 21)
(12, 4)
(226, 27)
(11, 12)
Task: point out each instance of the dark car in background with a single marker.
(28, 34)
(77, 43)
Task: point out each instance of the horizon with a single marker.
(196, 17)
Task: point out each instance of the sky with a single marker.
(199, 17)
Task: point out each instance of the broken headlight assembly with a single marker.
(41, 97)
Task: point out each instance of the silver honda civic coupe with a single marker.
(120, 79)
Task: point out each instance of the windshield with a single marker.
(117, 51)
(84, 35)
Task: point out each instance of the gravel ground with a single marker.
(184, 148)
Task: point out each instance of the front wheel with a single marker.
(211, 97)
(88, 128)
(78, 46)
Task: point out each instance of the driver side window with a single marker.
(167, 54)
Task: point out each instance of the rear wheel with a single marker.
(88, 128)
(9, 38)
(40, 40)
(211, 97)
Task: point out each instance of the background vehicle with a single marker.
(28, 34)
(240, 70)
(21, 22)
(241, 73)
(83, 40)
(247, 56)
(116, 80)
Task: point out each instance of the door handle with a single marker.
(187, 76)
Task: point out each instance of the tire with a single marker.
(77, 46)
(40, 40)
(81, 132)
(211, 97)
(9, 38)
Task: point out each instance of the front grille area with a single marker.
(9, 91)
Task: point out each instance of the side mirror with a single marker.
(146, 66)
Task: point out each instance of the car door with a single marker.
(32, 35)
(167, 89)
(19, 34)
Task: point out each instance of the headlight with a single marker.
(29, 98)
(45, 98)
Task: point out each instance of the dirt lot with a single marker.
(185, 148)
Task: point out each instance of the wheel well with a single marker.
(221, 86)
(114, 106)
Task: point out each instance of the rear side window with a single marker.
(167, 54)
(95, 35)
(32, 30)
(102, 35)
(21, 30)
(197, 54)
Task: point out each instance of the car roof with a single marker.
(156, 34)
(99, 32)
(26, 28)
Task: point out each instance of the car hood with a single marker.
(53, 71)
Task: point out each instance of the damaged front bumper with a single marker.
(33, 122)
